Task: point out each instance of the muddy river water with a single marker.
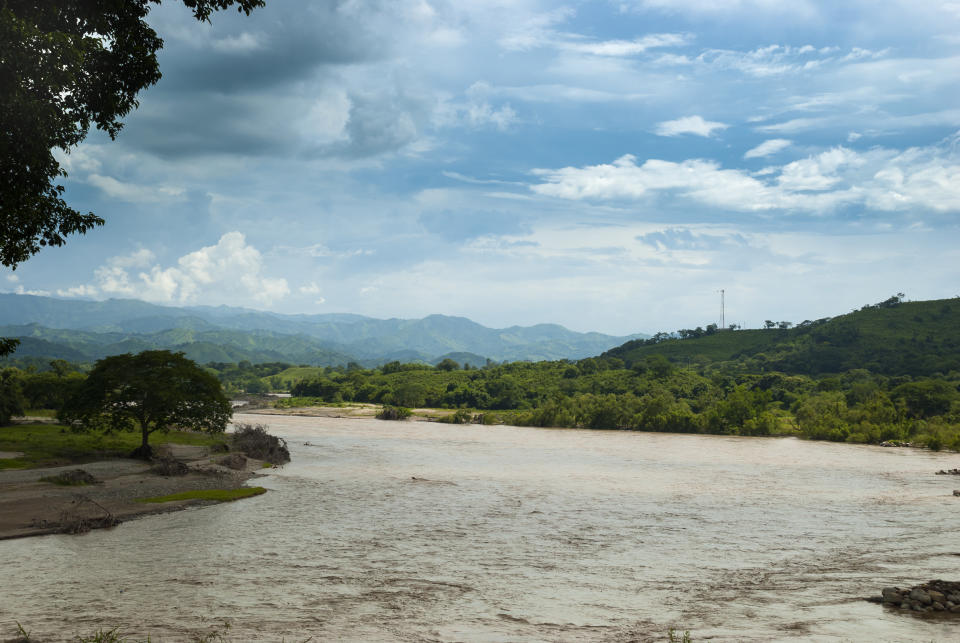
(411, 531)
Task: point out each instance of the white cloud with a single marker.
(918, 178)
(310, 289)
(689, 125)
(626, 47)
(20, 290)
(13, 278)
(134, 193)
(83, 290)
(817, 172)
(229, 272)
(768, 148)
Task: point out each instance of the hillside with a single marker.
(908, 338)
(95, 329)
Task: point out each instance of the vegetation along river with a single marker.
(412, 531)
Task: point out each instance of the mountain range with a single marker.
(81, 331)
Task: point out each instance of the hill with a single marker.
(890, 338)
(223, 333)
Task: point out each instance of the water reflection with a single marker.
(382, 531)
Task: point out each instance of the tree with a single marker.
(8, 345)
(447, 364)
(11, 397)
(66, 65)
(150, 391)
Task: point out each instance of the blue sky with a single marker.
(607, 166)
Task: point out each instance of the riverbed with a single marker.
(416, 531)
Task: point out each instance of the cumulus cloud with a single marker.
(768, 148)
(689, 125)
(230, 271)
(919, 178)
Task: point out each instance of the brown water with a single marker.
(514, 534)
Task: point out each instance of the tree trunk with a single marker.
(144, 451)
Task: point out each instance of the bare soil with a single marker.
(29, 507)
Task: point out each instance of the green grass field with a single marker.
(46, 445)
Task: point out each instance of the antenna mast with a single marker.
(723, 319)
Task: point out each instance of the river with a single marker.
(414, 531)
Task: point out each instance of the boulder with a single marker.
(920, 595)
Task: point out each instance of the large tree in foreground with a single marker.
(66, 65)
(150, 391)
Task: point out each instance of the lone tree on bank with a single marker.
(152, 391)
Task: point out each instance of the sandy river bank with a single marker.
(30, 507)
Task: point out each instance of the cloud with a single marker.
(476, 111)
(689, 125)
(626, 47)
(134, 193)
(20, 290)
(83, 290)
(229, 272)
(768, 148)
(802, 8)
(917, 178)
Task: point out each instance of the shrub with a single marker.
(257, 443)
(389, 412)
(462, 416)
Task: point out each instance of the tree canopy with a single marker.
(150, 391)
(66, 65)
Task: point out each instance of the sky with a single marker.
(609, 166)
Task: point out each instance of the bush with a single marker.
(462, 416)
(393, 413)
(257, 443)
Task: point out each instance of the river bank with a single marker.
(30, 506)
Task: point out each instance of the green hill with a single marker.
(891, 338)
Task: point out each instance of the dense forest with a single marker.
(886, 373)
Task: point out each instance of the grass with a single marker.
(45, 445)
(218, 495)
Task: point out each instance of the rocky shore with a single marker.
(933, 596)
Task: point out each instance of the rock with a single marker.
(235, 461)
(937, 606)
(956, 492)
(937, 597)
(891, 595)
(921, 596)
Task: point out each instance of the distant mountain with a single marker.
(918, 338)
(224, 333)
